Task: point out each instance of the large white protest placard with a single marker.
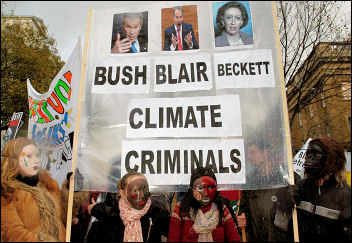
(52, 117)
(243, 91)
(244, 69)
(170, 162)
(206, 116)
(121, 75)
(197, 92)
(183, 73)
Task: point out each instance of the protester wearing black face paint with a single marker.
(314, 161)
(323, 198)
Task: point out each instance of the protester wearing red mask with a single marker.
(202, 215)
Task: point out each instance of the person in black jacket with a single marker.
(255, 215)
(323, 197)
(133, 215)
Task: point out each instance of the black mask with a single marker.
(315, 158)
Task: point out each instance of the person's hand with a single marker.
(174, 40)
(89, 209)
(121, 46)
(241, 220)
(75, 221)
(188, 39)
(286, 198)
(68, 176)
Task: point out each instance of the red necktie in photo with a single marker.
(179, 43)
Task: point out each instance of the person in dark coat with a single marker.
(255, 209)
(323, 197)
(180, 35)
(133, 215)
(81, 220)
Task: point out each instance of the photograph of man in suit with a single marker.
(129, 39)
(179, 36)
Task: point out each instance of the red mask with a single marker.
(209, 186)
(204, 190)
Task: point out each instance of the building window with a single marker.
(346, 90)
(333, 47)
(338, 47)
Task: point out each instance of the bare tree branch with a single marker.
(303, 25)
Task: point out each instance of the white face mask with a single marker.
(29, 161)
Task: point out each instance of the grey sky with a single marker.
(67, 20)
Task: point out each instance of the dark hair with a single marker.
(188, 202)
(222, 10)
(177, 8)
(199, 172)
(335, 158)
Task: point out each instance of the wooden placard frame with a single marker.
(285, 114)
(77, 127)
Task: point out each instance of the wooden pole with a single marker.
(285, 114)
(239, 200)
(244, 238)
(76, 132)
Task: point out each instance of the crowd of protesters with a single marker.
(34, 208)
